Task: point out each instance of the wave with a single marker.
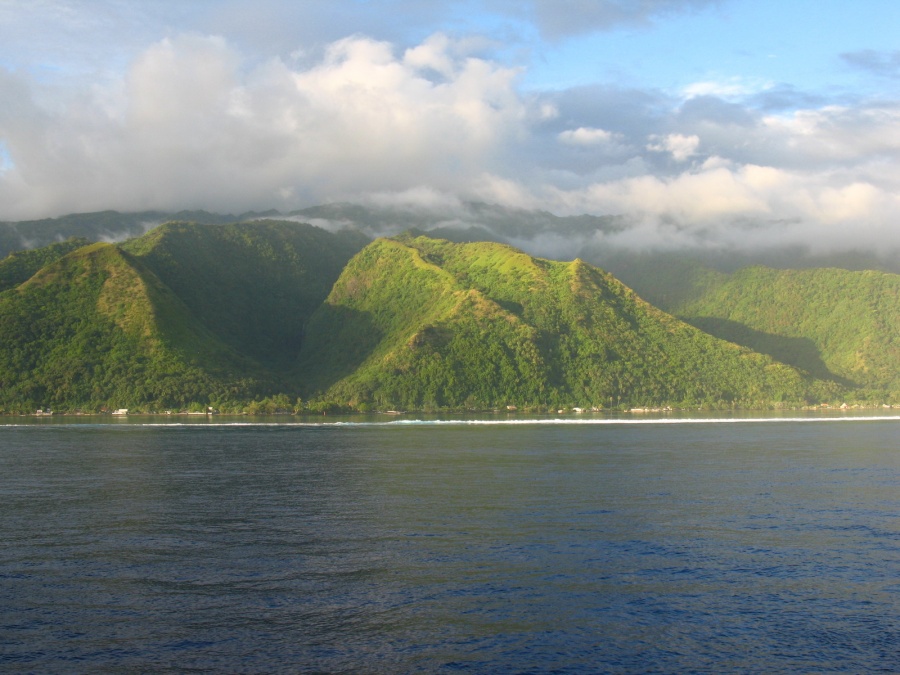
(555, 421)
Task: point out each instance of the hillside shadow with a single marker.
(511, 307)
(801, 353)
(335, 344)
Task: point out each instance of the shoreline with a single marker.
(408, 419)
(509, 411)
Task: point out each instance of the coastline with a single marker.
(393, 419)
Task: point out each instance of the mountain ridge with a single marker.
(95, 329)
(554, 333)
(282, 310)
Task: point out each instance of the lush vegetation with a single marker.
(281, 317)
(833, 322)
(101, 226)
(185, 317)
(20, 266)
(98, 330)
(254, 285)
(425, 323)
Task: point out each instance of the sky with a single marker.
(709, 123)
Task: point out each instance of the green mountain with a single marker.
(98, 329)
(106, 226)
(834, 323)
(229, 313)
(254, 285)
(19, 267)
(416, 322)
(670, 279)
(186, 314)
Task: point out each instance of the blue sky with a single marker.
(797, 42)
(709, 122)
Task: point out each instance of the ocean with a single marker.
(589, 544)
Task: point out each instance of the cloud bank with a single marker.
(193, 122)
(191, 125)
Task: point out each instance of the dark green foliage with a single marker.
(666, 280)
(799, 352)
(96, 330)
(422, 323)
(186, 316)
(831, 321)
(669, 279)
(247, 317)
(254, 285)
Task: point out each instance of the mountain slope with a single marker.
(254, 285)
(827, 320)
(104, 226)
(419, 322)
(18, 267)
(98, 329)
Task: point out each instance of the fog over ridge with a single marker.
(438, 116)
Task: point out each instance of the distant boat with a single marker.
(120, 411)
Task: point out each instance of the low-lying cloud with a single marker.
(193, 123)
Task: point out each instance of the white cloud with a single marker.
(194, 122)
(586, 136)
(746, 207)
(679, 146)
(547, 111)
(837, 134)
(194, 127)
(733, 87)
(433, 53)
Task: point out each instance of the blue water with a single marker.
(750, 546)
